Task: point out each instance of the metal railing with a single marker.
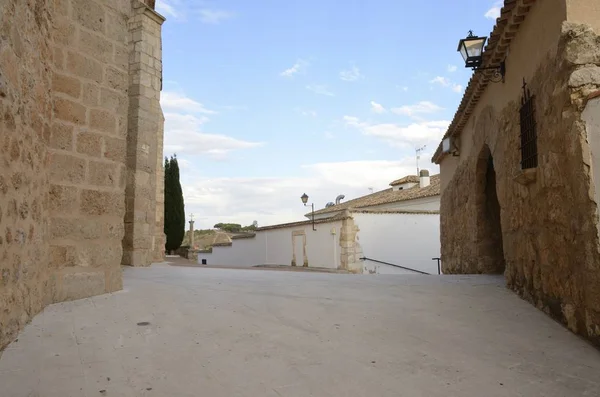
(391, 264)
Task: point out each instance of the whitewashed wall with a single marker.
(409, 240)
(274, 247)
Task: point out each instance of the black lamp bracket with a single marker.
(499, 72)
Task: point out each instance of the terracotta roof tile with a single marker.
(406, 179)
(387, 196)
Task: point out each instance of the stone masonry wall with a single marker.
(550, 241)
(141, 244)
(25, 130)
(350, 249)
(71, 117)
(88, 146)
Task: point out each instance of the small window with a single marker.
(529, 155)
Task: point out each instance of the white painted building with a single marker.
(411, 193)
(392, 231)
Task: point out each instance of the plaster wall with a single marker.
(409, 240)
(276, 247)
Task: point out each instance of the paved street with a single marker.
(180, 331)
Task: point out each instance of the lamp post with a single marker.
(304, 199)
(471, 49)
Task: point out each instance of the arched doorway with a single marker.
(490, 251)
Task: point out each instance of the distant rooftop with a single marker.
(389, 195)
(406, 179)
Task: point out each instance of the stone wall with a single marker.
(549, 237)
(144, 152)
(25, 132)
(71, 116)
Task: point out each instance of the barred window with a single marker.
(529, 155)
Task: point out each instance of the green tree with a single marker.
(174, 206)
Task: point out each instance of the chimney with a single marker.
(424, 180)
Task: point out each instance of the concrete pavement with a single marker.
(178, 331)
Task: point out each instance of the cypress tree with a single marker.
(174, 206)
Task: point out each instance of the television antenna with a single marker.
(418, 155)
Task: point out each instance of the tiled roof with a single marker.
(338, 217)
(512, 14)
(387, 196)
(406, 179)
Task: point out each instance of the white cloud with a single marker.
(310, 113)
(452, 68)
(213, 17)
(457, 88)
(403, 88)
(423, 107)
(184, 122)
(494, 11)
(329, 135)
(445, 82)
(351, 74)
(377, 107)
(167, 8)
(417, 133)
(277, 200)
(298, 67)
(175, 101)
(319, 89)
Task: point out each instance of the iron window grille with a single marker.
(529, 155)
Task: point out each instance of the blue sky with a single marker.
(265, 100)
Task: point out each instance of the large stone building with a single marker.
(81, 150)
(520, 167)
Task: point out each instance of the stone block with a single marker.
(116, 27)
(117, 79)
(96, 46)
(67, 168)
(62, 199)
(114, 279)
(58, 57)
(99, 255)
(61, 136)
(75, 228)
(94, 202)
(122, 126)
(115, 149)
(89, 14)
(91, 92)
(89, 143)
(61, 7)
(121, 57)
(79, 283)
(58, 256)
(101, 173)
(67, 85)
(67, 110)
(114, 101)
(82, 66)
(64, 31)
(103, 120)
(585, 75)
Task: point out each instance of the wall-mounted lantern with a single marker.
(471, 49)
(304, 199)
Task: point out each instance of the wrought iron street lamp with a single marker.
(304, 199)
(471, 49)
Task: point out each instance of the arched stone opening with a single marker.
(490, 251)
